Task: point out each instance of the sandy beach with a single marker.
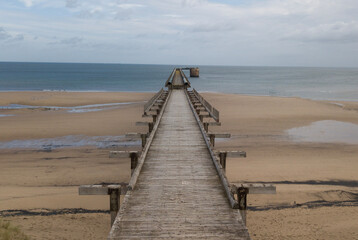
(317, 183)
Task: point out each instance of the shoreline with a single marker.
(151, 92)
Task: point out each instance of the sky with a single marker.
(198, 32)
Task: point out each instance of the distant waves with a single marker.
(312, 83)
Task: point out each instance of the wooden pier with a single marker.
(178, 188)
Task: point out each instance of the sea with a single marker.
(305, 82)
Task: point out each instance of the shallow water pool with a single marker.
(326, 131)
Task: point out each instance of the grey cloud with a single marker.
(19, 37)
(72, 3)
(3, 34)
(192, 3)
(71, 41)
(339, 32)
(210, 27)
(123, 14)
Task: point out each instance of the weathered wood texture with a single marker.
(197, 98)
(178, 194)
(178, 81)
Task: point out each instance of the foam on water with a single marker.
(76, 109)
(70, 141)
(6, 115)
(327, 131)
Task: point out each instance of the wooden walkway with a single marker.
(178, 193)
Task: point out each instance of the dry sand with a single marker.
(316, 182)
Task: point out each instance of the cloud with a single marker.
(18, 37)
(28, 3)
(72, 41)
(129, 6)
(72, 3)
(338, 32)
(3, 34)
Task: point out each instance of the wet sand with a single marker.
(317, 184)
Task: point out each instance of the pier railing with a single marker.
(185, 79)
(213, 112)
(152, 101)
(169, 81)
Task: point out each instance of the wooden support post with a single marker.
(212, 139)
(242, 200)
(206, 126)
(144, 139)
(242, 189)
(113, 190)
(150, 126)
(154, 118)
(222, 156)
(134, 161)
(114, 203)
(124, 154)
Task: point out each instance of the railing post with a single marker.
(206, 126)
(114, 203)
(242, 200)
(154, 118)
(150, 125)
(134, 161)
(222, 156)
(212, 139)
(144, 139)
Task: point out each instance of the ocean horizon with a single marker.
(317, 83)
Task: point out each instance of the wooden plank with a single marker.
(97, 189)
(122, 154)
(141, 160)
(133, 135)
(220, 135)
(149, 115)
(214, 123)
(257, 188)
(233, 154)
(219, 169)
(142, 123)
(154, 108)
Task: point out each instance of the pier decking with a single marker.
(178, 193)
